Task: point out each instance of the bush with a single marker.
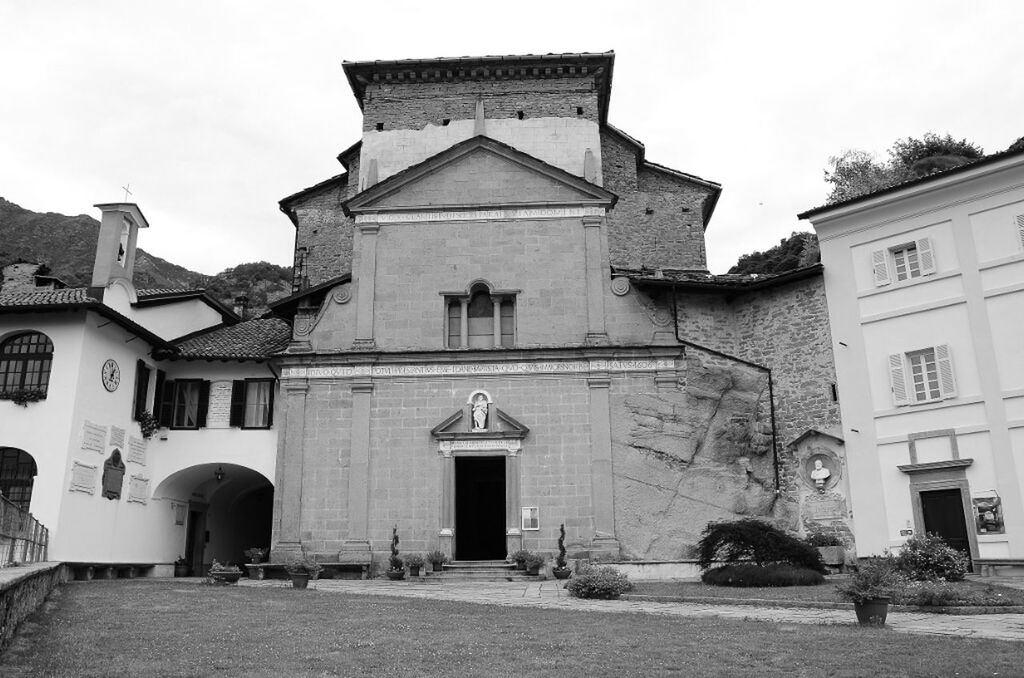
(942, 593)
(746, 574)
(756, 541)
(414, 560)
(875, 578)
(605, 583)
(926, 557)
(817, 539)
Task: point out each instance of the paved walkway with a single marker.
(549, 594)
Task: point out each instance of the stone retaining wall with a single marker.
(22, 590)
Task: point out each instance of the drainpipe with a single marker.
(763, 368)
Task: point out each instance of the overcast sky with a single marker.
(213, 111)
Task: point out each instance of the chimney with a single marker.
(241, 307)
(115, 248)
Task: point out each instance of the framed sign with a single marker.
(531, 518)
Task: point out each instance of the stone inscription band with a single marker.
(474, 369)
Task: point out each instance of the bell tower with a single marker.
(115, 248)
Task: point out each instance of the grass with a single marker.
(972, 591)
(165, 628)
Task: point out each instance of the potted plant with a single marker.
(830, 546)
(560, 570)
(180, 567)
(519, 558)
(23, 396)
(301, 570)
(533, 563)
(870, 588)
(148, 424)
(224, 574)
(415, 561)
(437, 559)
(396, 569)
(255, 554)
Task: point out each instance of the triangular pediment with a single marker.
(479, 172)
(458, 426)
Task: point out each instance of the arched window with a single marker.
(17, 473)
(25, 362)
(488, 315)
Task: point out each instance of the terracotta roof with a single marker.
(164, 291)
(45, 297)
(255, 339)
(731, 283)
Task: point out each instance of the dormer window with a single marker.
(483, 318)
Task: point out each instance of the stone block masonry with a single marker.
(22, 590)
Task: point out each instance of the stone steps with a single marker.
(480, 570)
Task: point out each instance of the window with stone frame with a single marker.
(25, 361)
(17, 475)
(922, 376)
(908, 260)
(484, 318)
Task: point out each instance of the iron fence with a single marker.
(22, 538)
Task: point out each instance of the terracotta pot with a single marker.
(872, 612)
(300, 581)
(438, 567)
(414, 571)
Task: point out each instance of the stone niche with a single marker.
(823, 485)
(691, 454)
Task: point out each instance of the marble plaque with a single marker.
(94, 437)
(138, 489)
(116, 436)
(137, 450)
(825, 506)
(83, 478)
(219, 413)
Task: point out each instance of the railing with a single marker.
(22, 538)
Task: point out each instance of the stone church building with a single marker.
(503, 321)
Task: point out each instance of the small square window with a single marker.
(531, 518)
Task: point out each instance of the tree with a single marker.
(1017, 145)
(796, 251)
(856, 173)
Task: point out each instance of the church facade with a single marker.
(503, 322)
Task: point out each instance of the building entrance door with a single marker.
(943, 514)
(480, 508)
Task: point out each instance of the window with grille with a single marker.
(25, 361)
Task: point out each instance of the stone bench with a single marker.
(988, 565)
(330, 571)
(89, 571)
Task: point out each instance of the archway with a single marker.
(17, 475)
(226, 509)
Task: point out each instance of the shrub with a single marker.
(437, 557)
(414, 560)
(875, 578)
(823, 539)
(926, 557)
(756, 541)
(560, 559)
(519, 557)
(605, 583)
(303, 565)
(534, 561)
(746, 574)
(395, 561)
(942, 593)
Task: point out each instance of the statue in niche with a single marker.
(113, 476)
(480, 412)
(820, 475)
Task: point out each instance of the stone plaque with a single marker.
(137, 450)
(116, 436)
(83, 478)
(828, 506)
(180, 510)
(219, 414)
(94, 437)
(138, 489)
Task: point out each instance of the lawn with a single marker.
(167, 628)
(980, 592)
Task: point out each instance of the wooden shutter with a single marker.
(165, 398)
(204, 403)
(270, 406)
(141, 388)
(944, 363)
(898, 379)
(237, 403)
(880, 264)
(925, 256)
(1019, 220)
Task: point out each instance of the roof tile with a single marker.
(255, 339)
(46, 297)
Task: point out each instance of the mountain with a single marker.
(796, 251)
(67, 245)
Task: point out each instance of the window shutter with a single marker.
(925, 257)
(898, 379)
(944, 362)
(237, 403)
(164, 396)
(880, 264)
(141, 388)
(204, 403)
(1019, 220)
(270, 406)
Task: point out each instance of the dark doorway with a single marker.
(480, 508)
(195, 544)
(943, 513)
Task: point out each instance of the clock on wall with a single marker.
(111, 375)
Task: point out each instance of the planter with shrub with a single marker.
(605, 583)
(533, 563)
(830, 546)
(519, 558)
(224, 574)
(180, 567)
(396, 566)
(560, 570)
(415, 561)
(301, 570)
(871, 588)
(437, 559)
